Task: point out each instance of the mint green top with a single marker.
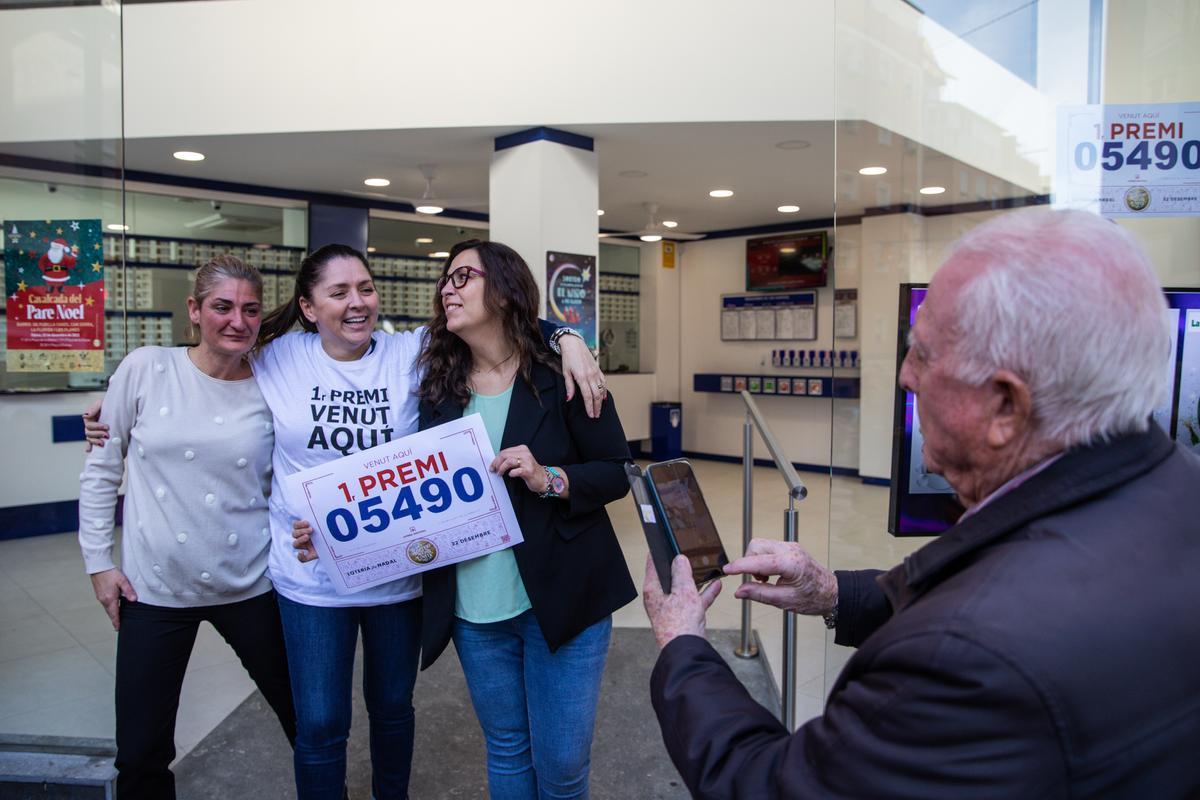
(490, 587)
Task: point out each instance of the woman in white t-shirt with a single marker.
(336, 388)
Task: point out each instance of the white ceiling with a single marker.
(682, 162)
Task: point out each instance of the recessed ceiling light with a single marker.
(188, 155)
(440, 254)
(599, 212)
(424, 240)
(788, 209)
(650, 237)
(370, 249)
(793, 144)
(932, 189)
(787, 249)
(116, 226)
(670, 223)
(721, 193)
(872, 170)
(633, 173)
(430, 209)
(377, 182)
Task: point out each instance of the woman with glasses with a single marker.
(334, 388)
(531, 624)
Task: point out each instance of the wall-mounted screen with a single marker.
(790, 261)
(922, 504)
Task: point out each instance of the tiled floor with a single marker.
(57, 648)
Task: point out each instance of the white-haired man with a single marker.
(1047, 645)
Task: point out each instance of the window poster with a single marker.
(54, 289)
(1134, 160)
(571, 292)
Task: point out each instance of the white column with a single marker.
(543, 196)
(661, 321)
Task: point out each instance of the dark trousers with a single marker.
(153, 648)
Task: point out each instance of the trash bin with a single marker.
(666, 431)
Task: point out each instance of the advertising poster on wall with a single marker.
(571, 292)
(54, 289)
(1130, 160)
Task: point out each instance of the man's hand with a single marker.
(682, 611)
(302, 540)
(95, 431)
(803, 585)
(110, 585)
(580, 368)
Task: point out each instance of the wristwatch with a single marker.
(831, 617)
(556, 484)
(558, 334)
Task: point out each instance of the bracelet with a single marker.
(555, 483)
(558, 334)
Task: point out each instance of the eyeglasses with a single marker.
(459, 277)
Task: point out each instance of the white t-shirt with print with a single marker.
(324, 409)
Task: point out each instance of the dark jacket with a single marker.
(570, 562)
(1047, 646)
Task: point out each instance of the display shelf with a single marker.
(781, 385)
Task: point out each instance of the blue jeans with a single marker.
(537, 708)
(320, 648)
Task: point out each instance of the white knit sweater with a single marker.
(198, 455)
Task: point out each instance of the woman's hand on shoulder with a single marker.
(95, 431)
(579, 367)
(518, 462)
(302, 541)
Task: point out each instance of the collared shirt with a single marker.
(1010, 484)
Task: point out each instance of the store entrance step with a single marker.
(247, 755)
(56, 768)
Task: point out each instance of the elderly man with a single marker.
(1047, 645)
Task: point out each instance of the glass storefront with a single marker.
(948, 115)
(922, 120)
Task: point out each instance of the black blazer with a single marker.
(1044, 647)
(572, 567)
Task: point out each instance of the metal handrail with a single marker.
(796, 488)
(796, 491)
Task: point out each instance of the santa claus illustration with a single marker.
(56, 264)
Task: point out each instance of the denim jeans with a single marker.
(320, 648)
(537, 708)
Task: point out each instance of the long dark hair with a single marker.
(283, 318)
(509, 293)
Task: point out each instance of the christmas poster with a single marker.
(571, 292)
(54, 284)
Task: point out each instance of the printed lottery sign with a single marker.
(1130, 160)
(406, 506)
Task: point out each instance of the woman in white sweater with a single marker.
(190, 428)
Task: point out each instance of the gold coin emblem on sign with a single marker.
(422, 551)
(1137, 198)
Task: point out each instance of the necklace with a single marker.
(475, 370)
